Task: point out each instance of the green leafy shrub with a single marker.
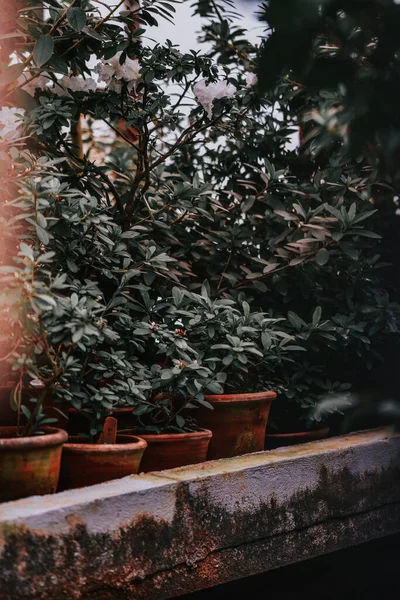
(187, 250)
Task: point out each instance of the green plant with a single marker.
(191, 181)
(207, 346)
(343, 55)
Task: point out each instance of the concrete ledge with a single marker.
(161, 535)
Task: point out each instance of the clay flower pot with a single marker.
(238, 423)
(29, 466)
(85, 464)
(170, 450)
(277, 440)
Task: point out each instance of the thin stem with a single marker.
(225, 267)
(61, 18)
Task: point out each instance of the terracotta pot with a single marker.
(277, 440)
(170, 450)
(85, 464)
(29, 466)
(238, 423)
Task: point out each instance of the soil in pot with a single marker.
(29, 466)
(238, 423)
(277, 440)
(86, 464)
(170, 450)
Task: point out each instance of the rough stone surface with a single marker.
(157, 536)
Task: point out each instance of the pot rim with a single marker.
(134, 443)
(297, 434)
(177, 437)
(53, 436)
(249, 397)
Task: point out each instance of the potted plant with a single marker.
(295, 419)
(108, 457)
(110, 225)
(55, 340)
(208, 347)
(97, 450)
(30, 446)
(259, 350)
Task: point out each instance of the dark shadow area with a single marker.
(366, 572)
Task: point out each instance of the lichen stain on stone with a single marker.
(7, 530)
(74, 520)
(245, 444)
(124, 563)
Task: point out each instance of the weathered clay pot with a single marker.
(170, 450)
(85, 464)
(277, 440)
(238, 423)
(29, 466)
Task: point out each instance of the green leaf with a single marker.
(42, 235)
(76, 18)
(317, 316)
(266, 340)
(93, 33)
(11, 74)
(227, 360)
(352, 211)
(177, 295)
(246, 309)
(77, 336)
(204, 403)
(369, 234)
(58, 65)
(322, 257)
(295, 320)
(25, 410)
(43, 49)
(166, 374)
(180, 421)
(26, 250)
(215, 388)
(23, 99)
(350, 250)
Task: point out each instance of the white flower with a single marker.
(75, 84)
(40, 82)
(10, 119)
(251, 79)
(37, 383)
(113, 73)
(206, 94)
